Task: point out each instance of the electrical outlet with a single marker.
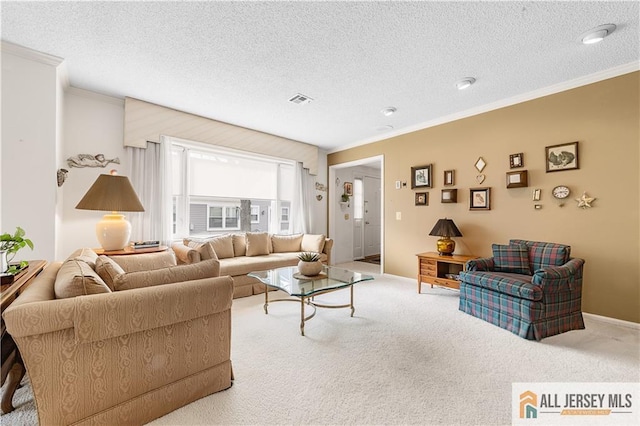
(398, 184)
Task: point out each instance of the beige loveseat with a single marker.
(242, 253)
(99, 354)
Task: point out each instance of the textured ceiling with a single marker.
(240, 62)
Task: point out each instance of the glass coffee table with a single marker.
(304, 289)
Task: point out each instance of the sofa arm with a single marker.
(560, 278)
(328, 245)
(103, 316)
(185, 254)
(481, 264)
(146, 261)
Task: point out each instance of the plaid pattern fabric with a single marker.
(533, 307)
(511, 258)
(545, 254)
(480, 264)
(517, 285)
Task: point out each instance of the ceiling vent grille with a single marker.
(300, 99)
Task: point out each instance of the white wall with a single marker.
(318, 209)
(93, 124)
(30, 113)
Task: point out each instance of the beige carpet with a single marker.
(403, 359)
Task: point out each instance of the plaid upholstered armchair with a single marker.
(533, 289)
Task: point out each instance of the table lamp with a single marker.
(445, 228)
(115, 194)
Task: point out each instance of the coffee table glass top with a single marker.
(289, 280)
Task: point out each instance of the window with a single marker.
(358, 199)
(255, 214)
(217, 190)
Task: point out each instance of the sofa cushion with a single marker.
(222, 245)
(511, 258)
(86, 255)
(173, 274)
(543, 254)
(286, 243)
(517, 285)
(205, 250)
(108, 269)
(146, 261)
(77, 278)
(239, 244)
(313, 242)
(258, 243)
(245, 264)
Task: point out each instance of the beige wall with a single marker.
(603, 117)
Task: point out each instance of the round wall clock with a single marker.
(561, 192)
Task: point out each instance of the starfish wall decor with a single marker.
(585, 201)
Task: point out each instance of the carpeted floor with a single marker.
(404, 358)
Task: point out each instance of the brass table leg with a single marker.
(302, 316)
(266, 299)
(353, 309)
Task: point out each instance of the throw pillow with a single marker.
(258, 243)
(108, 269)
(314, 243)
(174, 274)
(205, 250)
(286, 243)
(77, 278)
(511, 258)
(86, 255)
(239, 245)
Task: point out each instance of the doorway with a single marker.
(357, 226)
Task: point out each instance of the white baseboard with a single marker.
(615, 321)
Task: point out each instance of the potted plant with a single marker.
(309, 264)
(344, 198)
(9, 246)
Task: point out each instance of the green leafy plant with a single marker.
(345, 198)
(309, 256)
(14, 269)
(12, 243)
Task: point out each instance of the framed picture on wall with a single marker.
(480, 199)
(562, 157)
(516, 160)
(421, 177)
(449, 177)
(348, 188)
(449, 196)
(422, 199)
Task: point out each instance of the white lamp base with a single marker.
(113, 232)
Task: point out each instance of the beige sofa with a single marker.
(102, 355)
(242, 253)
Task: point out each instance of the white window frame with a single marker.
(255, 211)
(282, 214)
(224, 207)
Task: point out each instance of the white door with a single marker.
(372, 216)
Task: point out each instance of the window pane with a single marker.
(231, 217)
(358, 199)
(215, 217)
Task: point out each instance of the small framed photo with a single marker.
(562, 157)
(517, 179)
(421, 177)
(480, 199)
(449, 196)
(449, 177)
(348, 188)
(516, 160)
(422, 198)
(536, 194)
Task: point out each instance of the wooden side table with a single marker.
(130, 250)
(12, 365)
(440, 270)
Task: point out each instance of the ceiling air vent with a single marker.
(300, 99)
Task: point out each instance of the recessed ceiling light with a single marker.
(598, 34)
(465, 82)
(385, 128)
(388, 111)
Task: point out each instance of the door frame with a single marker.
(334, 206)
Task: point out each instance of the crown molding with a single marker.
(535, 94)
(34, 55)
(95, 96)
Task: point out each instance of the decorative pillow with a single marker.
(86, 255)
(286, 243)
(77, 278)
(511, 258)
(205, 250)
(314, 243)
(239, 245)
(108, 269)
(258, 243)
(174, 274)
(543, 254)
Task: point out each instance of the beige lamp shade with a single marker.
(115, 194)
